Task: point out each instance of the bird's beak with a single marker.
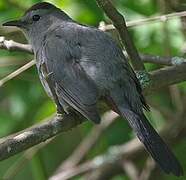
(16, 23)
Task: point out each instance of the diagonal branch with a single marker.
(21, 141)
(17, 72)
(120, 24)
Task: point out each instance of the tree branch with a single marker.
(169, 61)
(14, 46)
(21, 141)
(120, 24)
(165, 77)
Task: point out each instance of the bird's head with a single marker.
(38, 18)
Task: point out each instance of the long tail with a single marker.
(154, 144)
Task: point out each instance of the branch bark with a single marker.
(168, 61)
(165, 77)
(21, 141)
(14, 46)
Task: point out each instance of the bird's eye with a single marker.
(36, 18)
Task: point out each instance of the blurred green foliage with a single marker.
(23, 101)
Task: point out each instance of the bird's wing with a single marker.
(72, 84)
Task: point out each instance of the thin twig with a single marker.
(17, 72)
(145, 21)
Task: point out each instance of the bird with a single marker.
(80, 65)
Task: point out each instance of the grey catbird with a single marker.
(79, 65)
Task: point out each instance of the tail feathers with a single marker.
(157, 148)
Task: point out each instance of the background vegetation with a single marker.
(23, 101)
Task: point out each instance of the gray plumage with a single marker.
(79, 65)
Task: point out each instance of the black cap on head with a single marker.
(42, 5)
